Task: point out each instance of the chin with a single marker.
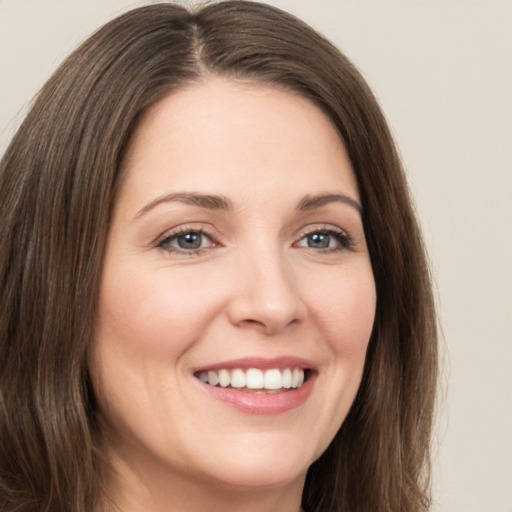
(270, 465)
(257, 475)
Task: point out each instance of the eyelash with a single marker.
(344, 241)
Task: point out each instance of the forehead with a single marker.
(221, 131)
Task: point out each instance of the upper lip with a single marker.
(262, 363)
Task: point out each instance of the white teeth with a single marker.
(295, 378)
(273, 379)
(254, 378)
(237, 379)
(287, 378)
(224, 378)
(213, 378)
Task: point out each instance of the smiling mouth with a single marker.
(254, 380)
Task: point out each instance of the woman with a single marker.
(214, 291)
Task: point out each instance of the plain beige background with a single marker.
(442, 70)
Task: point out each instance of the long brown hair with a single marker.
(58, 181)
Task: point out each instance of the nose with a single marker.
(265, 295)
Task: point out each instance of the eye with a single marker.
(186, 241)
(326, 240)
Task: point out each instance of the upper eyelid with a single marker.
(200, 227)
(323, 227)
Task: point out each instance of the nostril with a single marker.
(267, 327)
(248, 322)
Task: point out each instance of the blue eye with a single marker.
(329, 240)
(191, 241)
(319, 240)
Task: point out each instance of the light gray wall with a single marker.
(443, 72)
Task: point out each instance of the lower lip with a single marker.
(262, 403)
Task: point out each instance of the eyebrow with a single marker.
(214, 202)
(208, 201)
(317, 201)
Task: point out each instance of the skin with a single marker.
(258, 286)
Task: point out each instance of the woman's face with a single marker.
(236, 267)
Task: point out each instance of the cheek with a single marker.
(147, 312)
(342, 305)
(345, 310)
(146, 326)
